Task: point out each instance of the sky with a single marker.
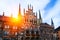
(48, 8)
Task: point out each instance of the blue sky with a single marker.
(49, 8)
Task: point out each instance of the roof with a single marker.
(5, 18)
(45, 25)
(57, 29)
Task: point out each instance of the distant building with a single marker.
(30, 17)
(10, 26)
(36, 30)
(7, 28)
(25, 27)
(57, 31)
(44, 32)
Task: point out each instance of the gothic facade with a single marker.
(25, 27)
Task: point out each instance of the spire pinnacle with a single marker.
(36, 18)
(3, 13)
(24, 11)
(36, 14)
(19, 9)
(39, 15)
(52, 24)
(32, 7)
(40, 19)
(28, 6)
(19, 13)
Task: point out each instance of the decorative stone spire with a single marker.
(36, 18)
(24, 11)
(32, 7)
(28, 6)
(19, 12)
(52, 23)
(40, 19)
(36, 15)
(39, 15)
(3, 17)
(3, 13)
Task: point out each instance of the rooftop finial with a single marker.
(3, 13)
(24, 11)
(19, 13)
(19, 9)
(40, 19)
(36, 14)
(52, 24)
(32, 7)
(28, 6)
(39, 15)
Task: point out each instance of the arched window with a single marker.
(14, 27)
(6, 26)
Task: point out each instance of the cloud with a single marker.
(53, 13)
(56, 22)
(50, 4)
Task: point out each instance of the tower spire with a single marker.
(28, 6)
(36, 15)
(39, 15)
(3, 13)
(19, 12)
(24, 11)
(36, 18)
(52, 24)
(32, 7)
(40, 19)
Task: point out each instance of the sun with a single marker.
(15, 16)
